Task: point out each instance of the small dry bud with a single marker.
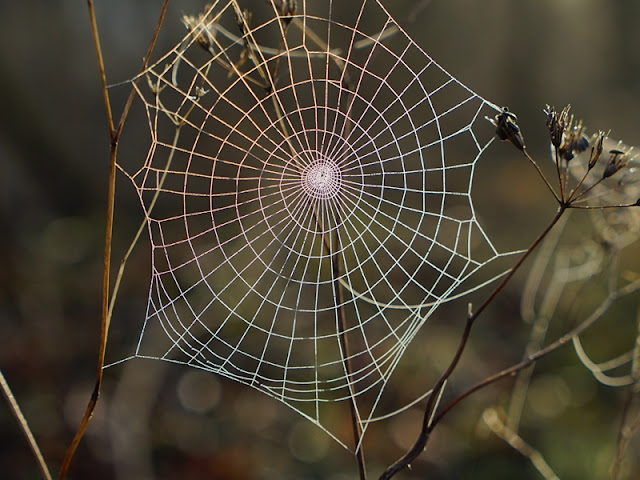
(617, 161)
(507, 129)
(202, 32)
(286, 8)
(243, 18)
(596, 149)
(557, 123)
(574, 141)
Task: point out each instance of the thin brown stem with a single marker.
(519, 263)
(429, 421)
(628, 425)
(508, 372)
(104, 325)
(421, 442)
(602, 207)
(346, 355)
(542, 175)
(559, 172)
(103, 76)
(114, 136)
(624, 434)
(24, 426)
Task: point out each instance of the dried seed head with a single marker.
(202, 31)
(557, 123)
(243, 18)
(617, 161)
(574, 140)
(286, 8)
(507, 129)
(597, 147)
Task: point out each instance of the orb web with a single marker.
(308, 199)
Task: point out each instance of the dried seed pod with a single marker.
(507, 129)
(202, 30)
(286, 8)
(574, 141)
(597, 148)
(557, 123)
(617, 161)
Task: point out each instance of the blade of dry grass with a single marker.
(24, 426)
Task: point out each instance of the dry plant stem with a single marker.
(578, 330)
(602, 207)
(561, 179)
(346, 354)
(624, 435)
(628, 426)
(498, 427)
(542, 175)
(24, 426)
(598, 371)
(428, 423)
(114, 136)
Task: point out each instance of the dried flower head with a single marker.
(597, 146)
(557, 123)
(617, 161)
(202, 31)
(574, 140)
(507, 129)
(286, 8)
(243, 19)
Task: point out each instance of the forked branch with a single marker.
(114, 136)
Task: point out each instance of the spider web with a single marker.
(308, 199)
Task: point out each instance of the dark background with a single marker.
(157, 420)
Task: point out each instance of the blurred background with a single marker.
(157, 420)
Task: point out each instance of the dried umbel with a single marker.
(202, 30)
(607, 179)
(567, 135)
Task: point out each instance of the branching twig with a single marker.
(428, 425)
(578, 330)
(114, 137)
